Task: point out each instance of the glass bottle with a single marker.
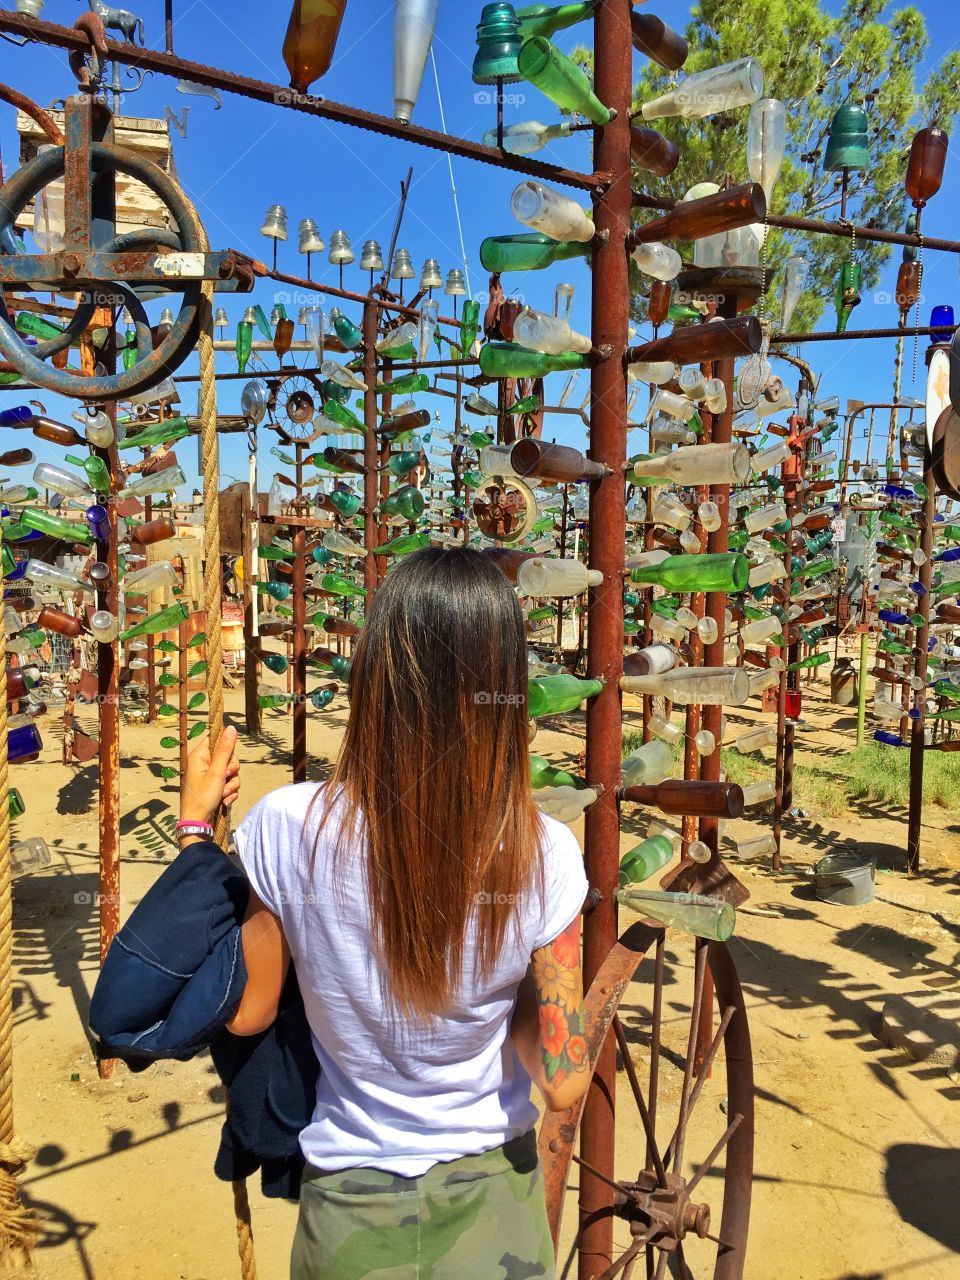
(552, 463)
(48, 476)
(402, 463)
(508, 360)
(16, 458)
(527, 252)
(653, 152)
(560, 79)
(814, 660)
(702, 917)
(404, 544)
(23, 743)
(548, 334)
(546, 20)
(160, 482)
(414, 22)
(551, 213)
(55, 526)
(651, 36)
(96, 471)
(50, 619)
(645, 860)
(647, 764)
(56, 432)
(349, 334)
(528, 136)
(104, 627)
(560, 578)
(155, 624)
(709, 686)
(695, 465)
(152, 577)
(928, 156)
(553, 695)
(665, 729)
(653, 659)
(766, 142)
(706, 93)
(658, 260)
(544, 774)
(721, 572)
(165, 432)
(566, 804)
(244, 342)
(336, 584)
(20, 414)
(311, 39)
(151, 531)
(408, 384)
(48, 575)
(342, 376)
(405, 503)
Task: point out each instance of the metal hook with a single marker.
(89, 74)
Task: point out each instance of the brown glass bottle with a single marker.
(22, 604)
(507, 560)
(405, 422)
(344, 459)
(55, 432)
(50, 619)
(698, 799)
(697, 343)
(282, 337)
(948, 613)
(653, 152)
(885, 550)
(311, 39)
(658, 304)
(18, 686)
(886, 674)
(659, 42)
(556, 463)
(693, 219)
(275, 628)
(928, 156)
(908, 285)
(151, 531)
(340, 627)
(16, 457)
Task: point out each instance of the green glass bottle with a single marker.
(55, 526)
(348, 333)
(814, 660)
(407, 385)
(244, 344)
(722, 572)
(893, 646)
(547, 20)
(527, 251)
(274, 553)
(703, 917)
(166, 620)
(403, 545)
(469, 319)
(15, 806)
(321, 698)
(402, 463)
(645, 860)
(560, 79)
(338, 585)
(507, 360)
(269, 701)
(165, 432)
(339, 413)
(552, 695)
(275, 662)
(35, 326)
(529, 404)
(944, 689)
(407, 503)
(473, 479)
(129, 351)
(98, 474)
(347, 504)
(544, 774)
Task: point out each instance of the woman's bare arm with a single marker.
(547, 1027)
(266, 956)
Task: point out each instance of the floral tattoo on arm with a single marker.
(559, 983)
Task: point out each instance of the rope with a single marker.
(19, 1227)
(212, 600)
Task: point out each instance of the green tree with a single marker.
(813, 62)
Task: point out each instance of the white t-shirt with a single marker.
(395, 1095)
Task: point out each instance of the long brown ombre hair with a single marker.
(434, 770)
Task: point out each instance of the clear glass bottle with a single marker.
(702, 917)
(566, 804)
(647, 764)
(695, 465)
(709, 686)
(706, 93)
(549, 334)
(550, 212)
(528, 136)
(557, 578)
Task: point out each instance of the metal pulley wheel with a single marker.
(505, 509)
(295, 401)
(100, 266)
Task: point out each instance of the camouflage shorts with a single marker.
(481, 1217)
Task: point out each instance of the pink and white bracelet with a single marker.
(187, 828)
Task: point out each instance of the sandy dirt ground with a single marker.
(856, 1168)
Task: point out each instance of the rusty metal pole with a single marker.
(608, 444)
(371, 534)
(299, 664)
(925, 577)
(251, 704)
(151, 645)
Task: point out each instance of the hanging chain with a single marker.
(763, 269)
(916, 313)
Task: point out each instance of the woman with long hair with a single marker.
(433, 919)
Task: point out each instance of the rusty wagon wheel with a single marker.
(685, 1195)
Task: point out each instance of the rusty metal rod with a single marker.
(299, 663)
(856, 335)
(790, 222)
(170, 64)
(371, 537)
(925, 577)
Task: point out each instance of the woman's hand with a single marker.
(211, 779)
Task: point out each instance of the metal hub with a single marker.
(661, 1215)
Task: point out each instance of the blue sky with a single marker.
(237, 161)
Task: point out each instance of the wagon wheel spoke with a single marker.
(711, 1159)
(638, 1098)
(625, 1262)
(655, 1041)
(704, 1074)
(700, 969)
